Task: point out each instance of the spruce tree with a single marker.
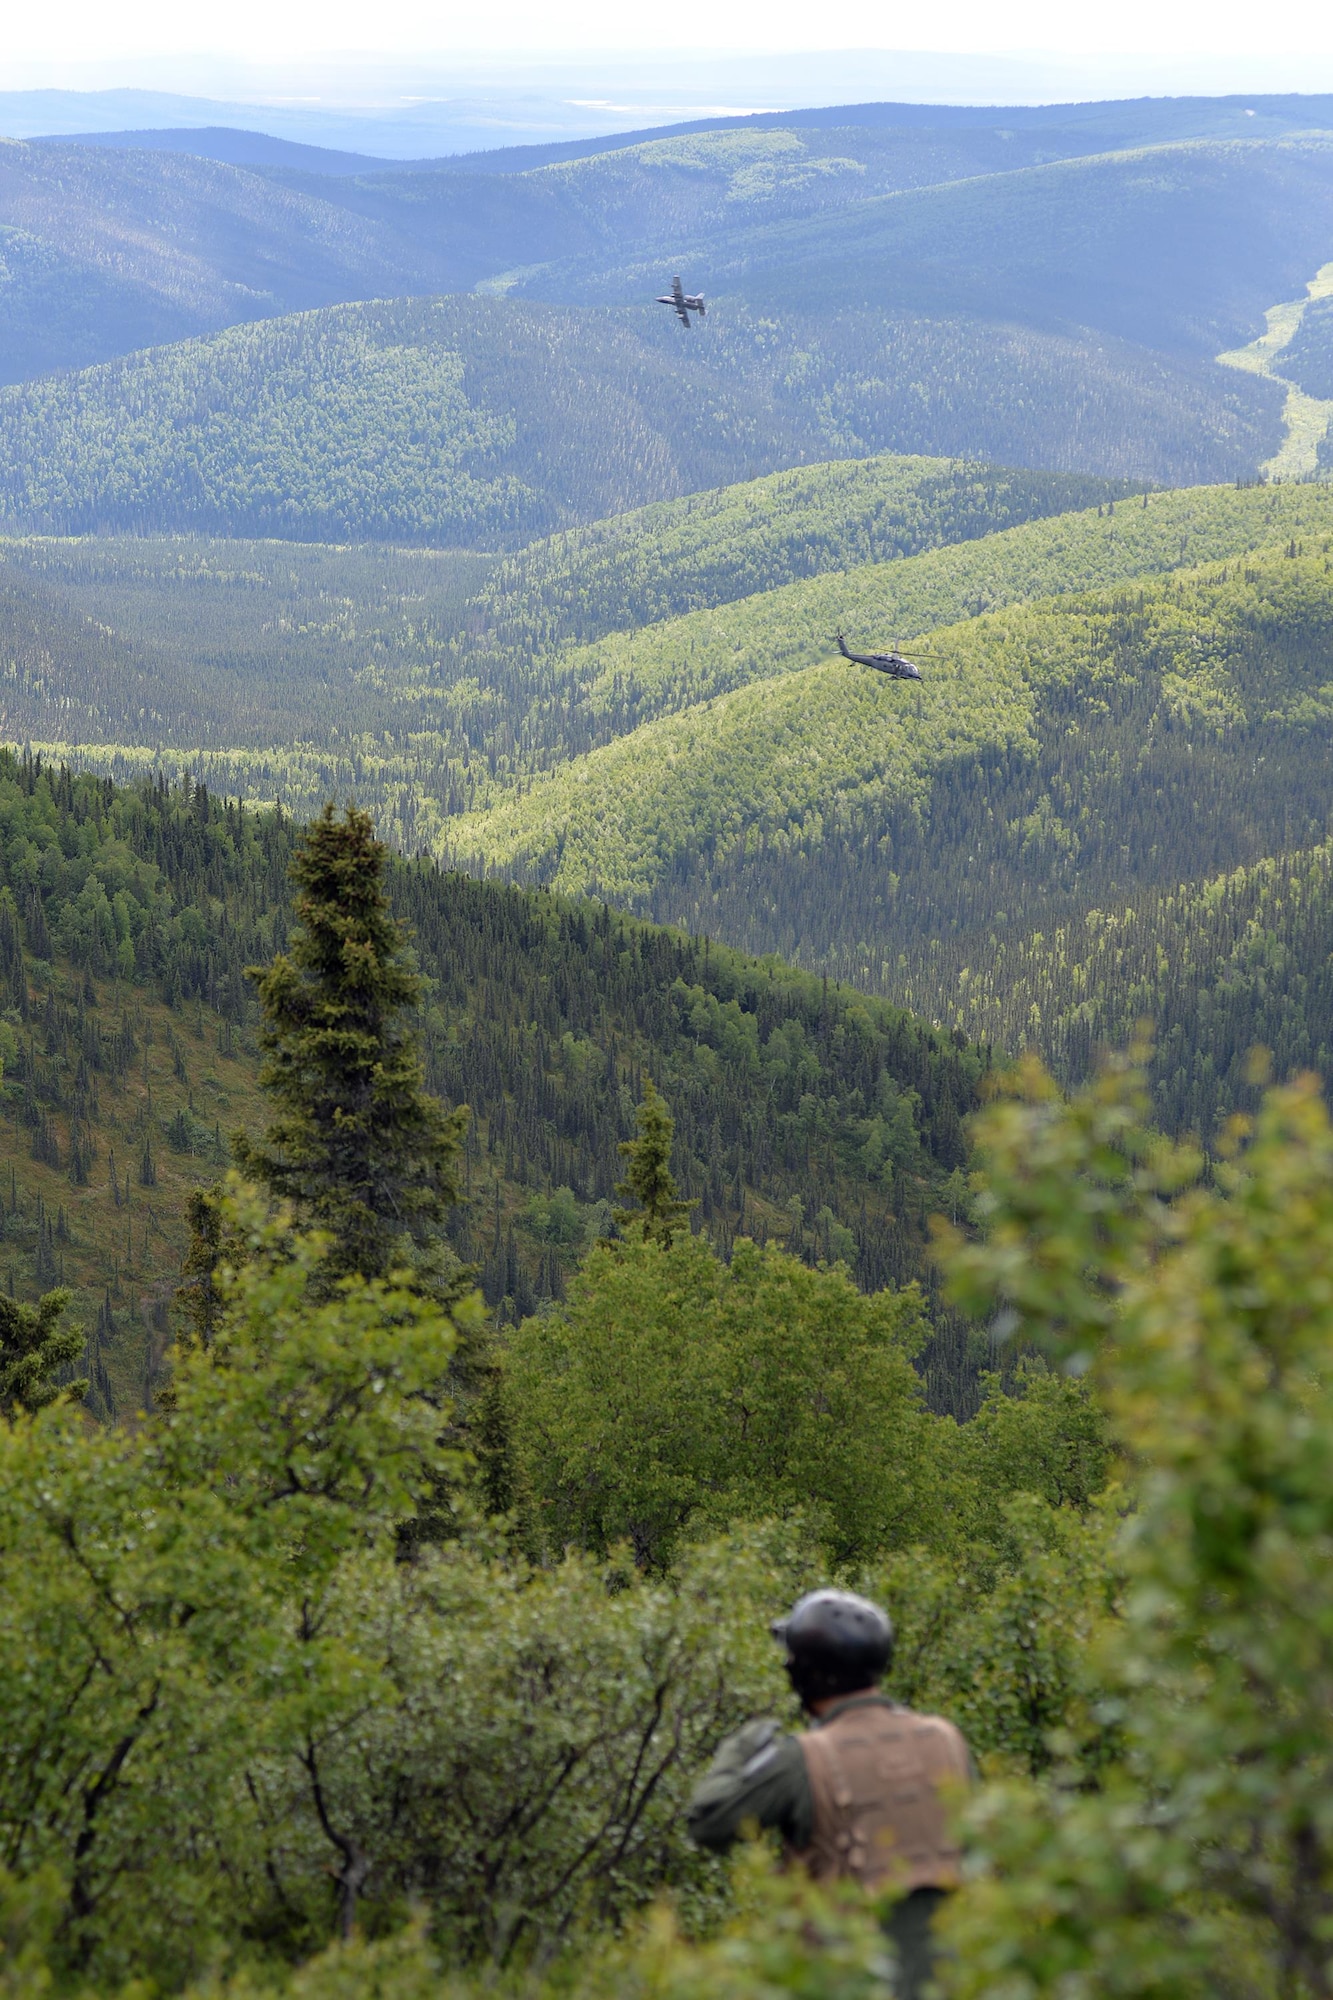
(648, 1178)
(198, 1301)
(34, 1347)
(359, 1147)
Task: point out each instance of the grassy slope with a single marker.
(120, 1246)
(749, 733)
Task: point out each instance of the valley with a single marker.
(390, 484)
(546, 1111)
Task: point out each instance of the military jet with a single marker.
(685, 303)
(894, 664)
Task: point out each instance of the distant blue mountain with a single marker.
(236, 146)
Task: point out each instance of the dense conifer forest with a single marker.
(805, 1113)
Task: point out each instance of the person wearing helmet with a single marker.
(863, 1792)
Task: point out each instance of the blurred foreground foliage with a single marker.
(249, 1749)
(1201, 1860)
(245, 1711)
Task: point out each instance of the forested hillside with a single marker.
(672, 668)
(393, 1583)
(111, 249)
(1179, 248)
(1221, 968)
(294, 654)
(428, 682)
(633, 675)
(805, 1113)
(437, 421)
(712, 548)
(961, 845)
(487, 422)
(104, 252)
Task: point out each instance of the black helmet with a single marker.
(836, 1643)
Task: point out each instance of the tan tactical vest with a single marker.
(876, 1774)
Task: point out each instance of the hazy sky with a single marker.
(52, 45)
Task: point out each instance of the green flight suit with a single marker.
(758, 1778)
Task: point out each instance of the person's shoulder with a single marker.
(943, 1736)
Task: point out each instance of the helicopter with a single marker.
(895, 664)
(684, 302)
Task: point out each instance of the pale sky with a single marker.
(268, 29)
(84, 43)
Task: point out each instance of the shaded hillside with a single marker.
(104, 252)
(805, 1113)
(578, 217)
(1221, 967)
(1178, 248)
(1307, 358)
(884, 287)
(108, 250)
(486, 423)
(661, 194)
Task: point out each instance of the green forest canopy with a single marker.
(761, 762)
(483, 422)
(282, 1714)
(1023, 847)
(804, 1112)
(423, 681)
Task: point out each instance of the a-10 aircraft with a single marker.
(684, 302)
(894, 663)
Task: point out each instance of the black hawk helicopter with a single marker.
(684, 302)
(894, 663)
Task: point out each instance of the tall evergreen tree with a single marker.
(34, 1346)
(648, 1178)
(359, 1147)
